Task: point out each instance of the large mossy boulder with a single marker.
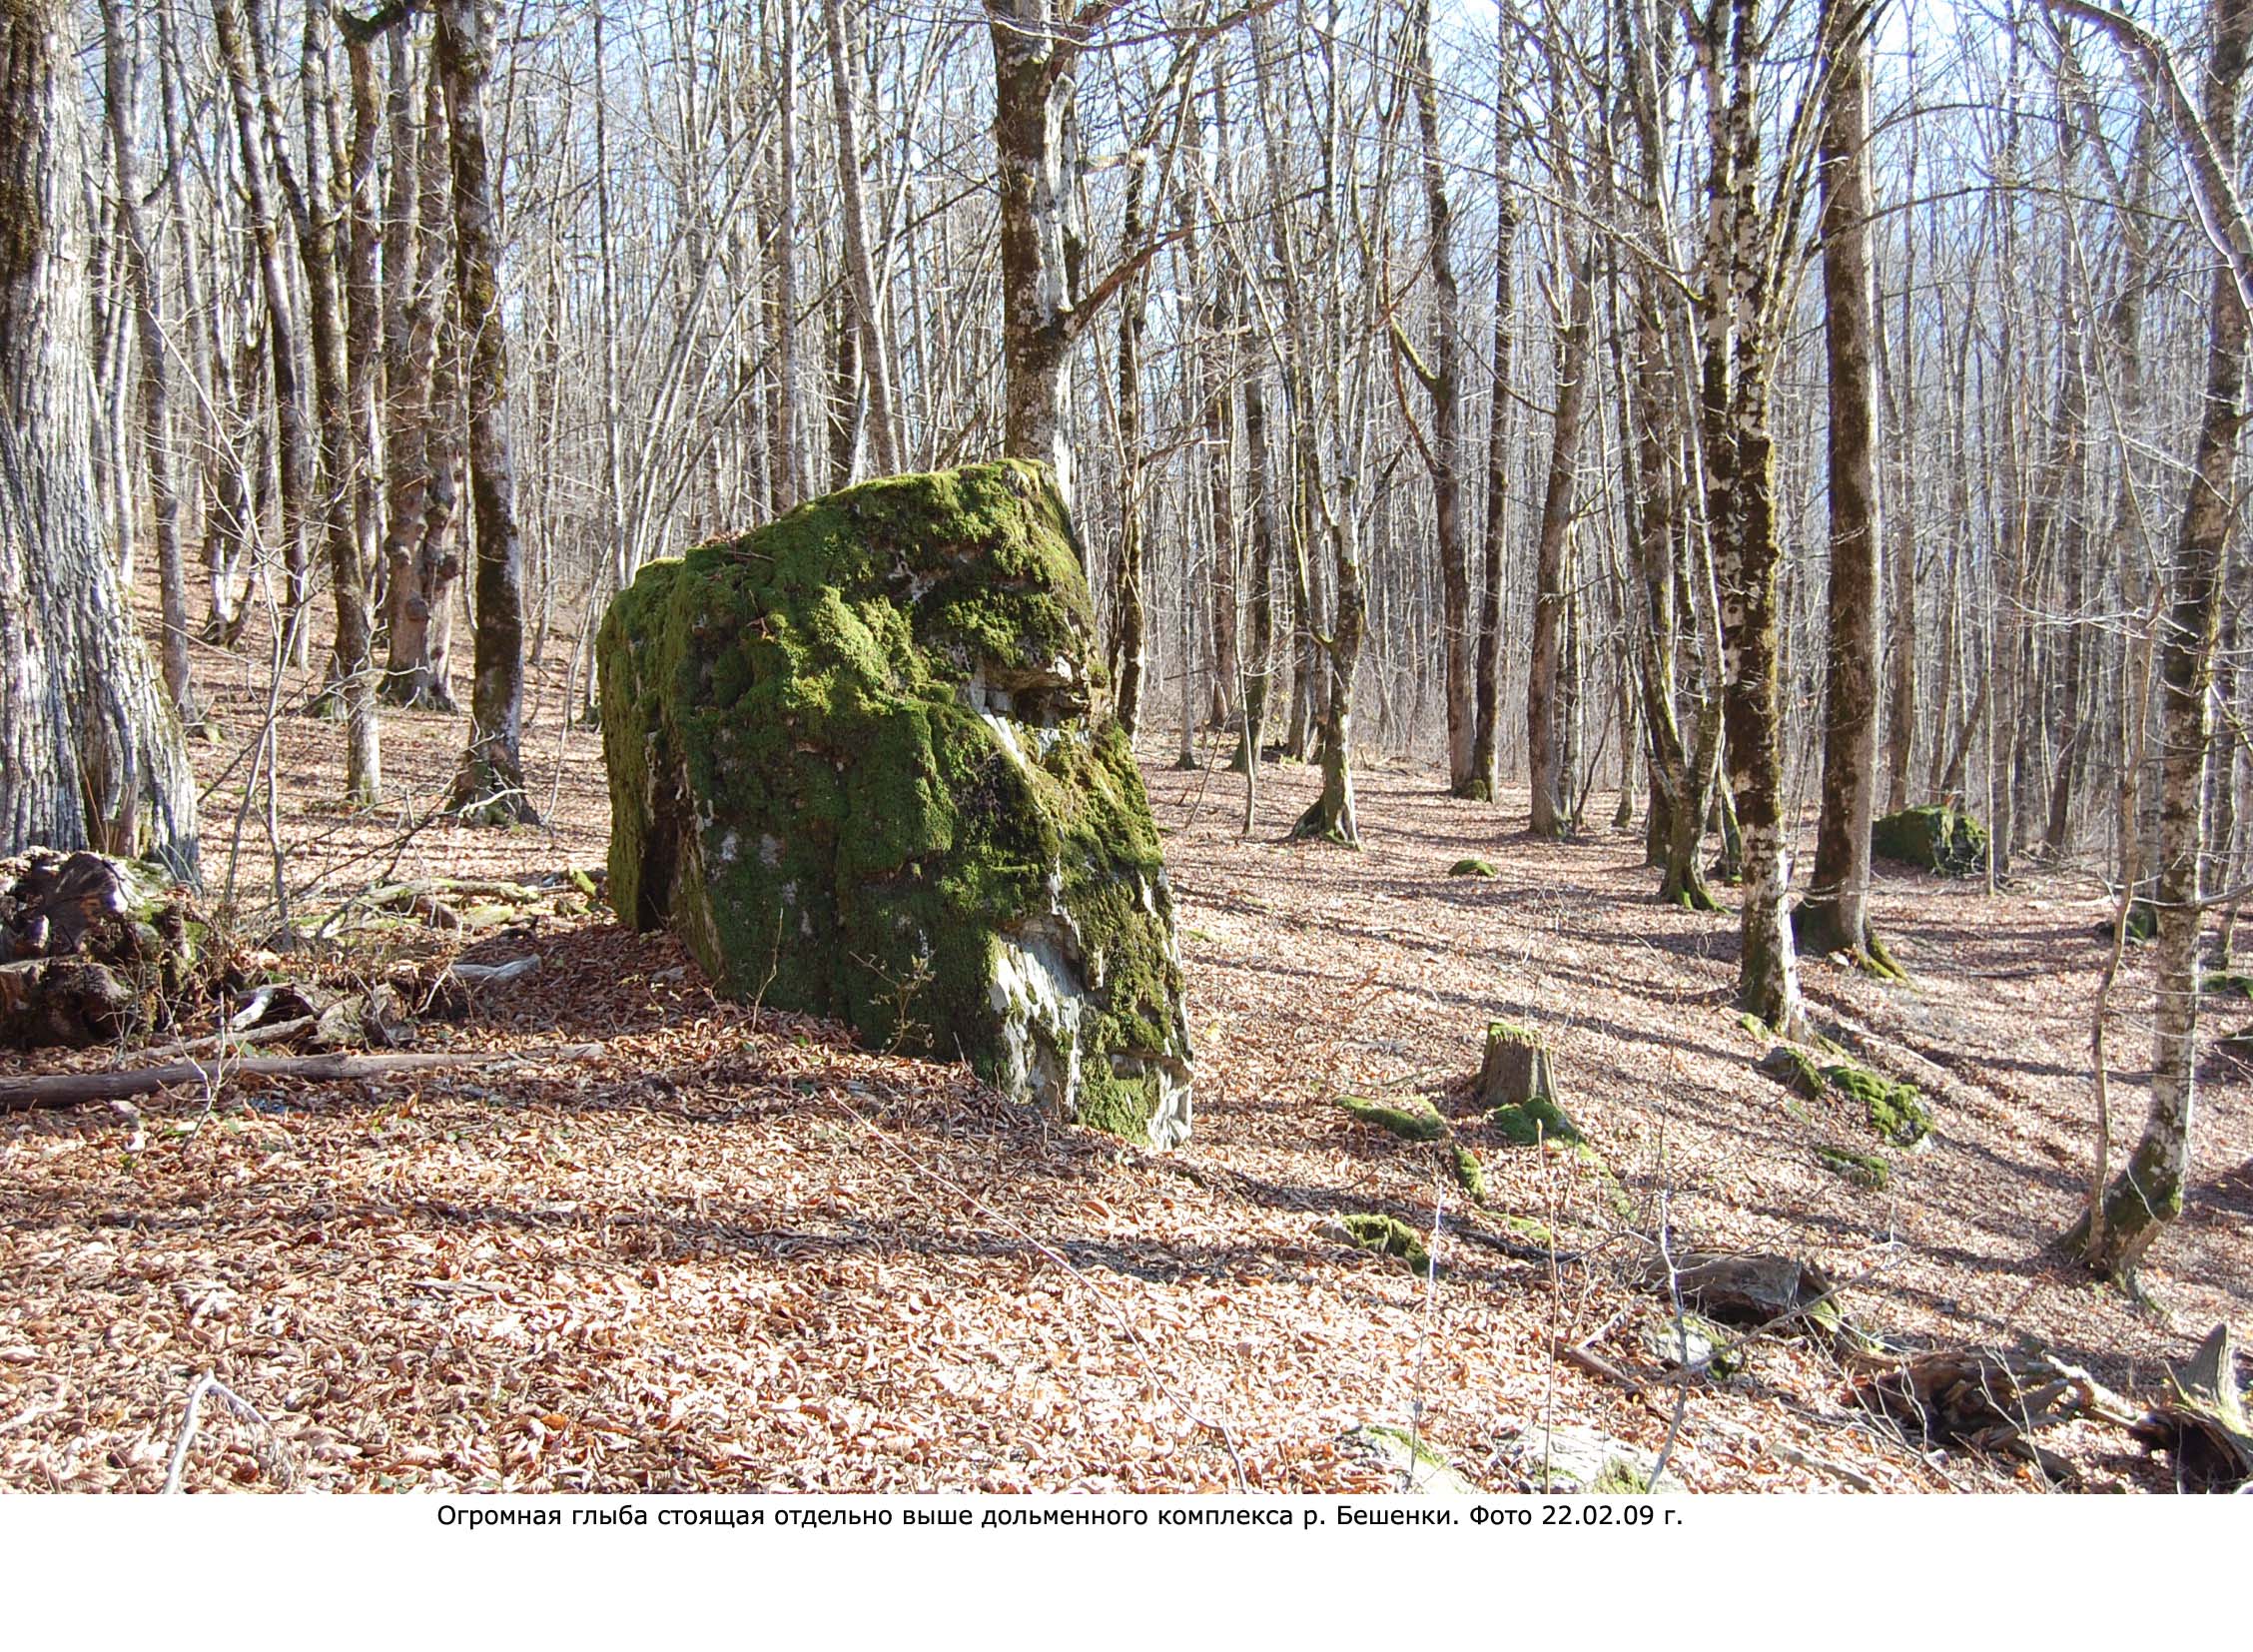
(858, 761)
(1933, 836)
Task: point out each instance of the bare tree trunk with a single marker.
(247, 83)
(1219, 430)
(490, 784)
(1129, 646)
(1444, 382)
(1487, 686)
(1544, 762)
(91, 754)
(883, 426)
(156, 381)
(1741, 309)
(1259, 482)
(1034, 56)
(418, 545)
(2148, 1193)
(786, 468)
(323, 208)
(1901, 517)
(1834, 917)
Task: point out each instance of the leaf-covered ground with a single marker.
(731, 1252)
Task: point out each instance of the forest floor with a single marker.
(731, 1252)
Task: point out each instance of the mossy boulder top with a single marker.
(1936, 836)
(860, 759)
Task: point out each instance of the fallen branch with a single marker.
(1579, 1354)
(1822, 1465)
(219, 1043)
(70, 1089)
(271, 1461)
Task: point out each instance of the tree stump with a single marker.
(1516, 1069)
(2203, 1427)
(1756, 1290)
(1517, 1089)
(90, 947)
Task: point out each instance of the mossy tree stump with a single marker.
(1517, 1089)
(91, 948)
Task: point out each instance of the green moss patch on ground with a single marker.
(1417, 1123)
(1526, 1123)
(1895, 1110)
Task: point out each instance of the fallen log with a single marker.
(70, 1089)
(1977, 1398)
(494, 975)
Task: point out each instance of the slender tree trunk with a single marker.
(340, 458)
(1836, 914)
(1259, 669)
(247, 85)
(1445, 383)
(2148, 1193)
(91, 753)
(1900, 517)
(786, 470)
(1544, 665)
(1227, 663)
(1487, 686)
(1129, 646)
(423, 408)
(883, 426)
(490, 784)
(156, 381)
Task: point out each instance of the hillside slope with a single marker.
(733, 1252)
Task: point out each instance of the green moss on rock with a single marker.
(1896, 1111)
(1471, 1173)
(1795, 1070)
(858, 761)
(1933, 836)
(1864, 1169)
(1388, 1236)
(1418, 1123)
(1474, 868)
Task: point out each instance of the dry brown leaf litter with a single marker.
(734, 1252)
